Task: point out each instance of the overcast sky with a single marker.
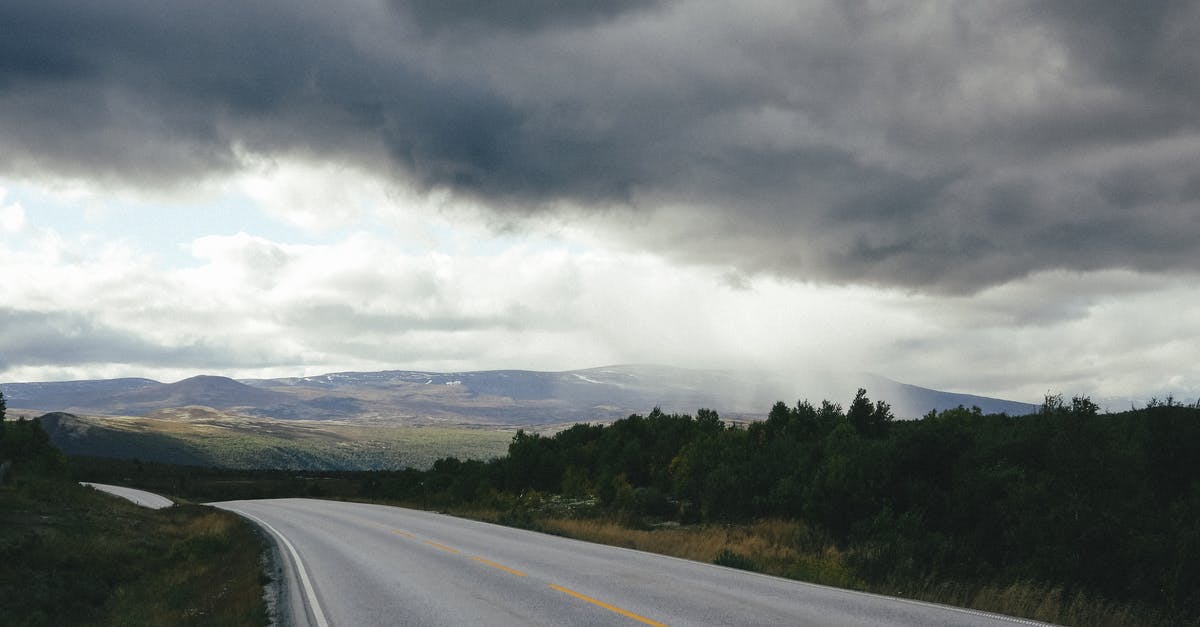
(999, 198)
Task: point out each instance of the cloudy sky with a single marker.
(992, 197)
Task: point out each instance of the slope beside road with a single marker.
(360, 564)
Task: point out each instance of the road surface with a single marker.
(360, 564)
(141, 497)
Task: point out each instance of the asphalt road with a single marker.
(358, 564)
(141, 497)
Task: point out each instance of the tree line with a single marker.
(1103, 503)
(25, 449)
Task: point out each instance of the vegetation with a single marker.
(1066, 515)
(70, 555)
(1048, 514)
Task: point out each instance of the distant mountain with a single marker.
(637, 388)
(616, 391)
(910, 401)
(139, 396)
(204, 390)
(496, 398)
(61, 395)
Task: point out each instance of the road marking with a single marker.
(403, 534)
(441, 546)
(500, 566)
(309, 593)
(611, 608)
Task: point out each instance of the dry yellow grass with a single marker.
(775, 547)
(71, 555)
(1040, 602)
(214, 577)
(792, 549)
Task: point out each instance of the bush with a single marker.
(735, 560)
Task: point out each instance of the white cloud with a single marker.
(12, 216)
(314, 197)
(1112, 333)
(249, 304)
(360, 302)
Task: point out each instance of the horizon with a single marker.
(1108, 404)
(993, 199)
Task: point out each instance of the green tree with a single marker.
(4, 462)
(1083, 406)
(870, 420)
(1052, 404)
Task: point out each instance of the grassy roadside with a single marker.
(794, 550)
(790, 549)
(70, 555)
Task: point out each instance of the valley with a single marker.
(200, 436)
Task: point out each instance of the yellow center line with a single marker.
(403, 534)
(611, 608)
(500, 566)
(441, 546)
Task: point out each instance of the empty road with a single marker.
(140, 497)
(359, 564)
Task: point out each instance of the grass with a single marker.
(775, 547)
(793, 550)
(1051, 604)
(70, 555)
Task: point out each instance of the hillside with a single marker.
(203, 390)
(71, 555)
(199, 436)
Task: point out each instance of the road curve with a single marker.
(140, 497)
(360, 564)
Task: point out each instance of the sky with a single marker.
(999, 198)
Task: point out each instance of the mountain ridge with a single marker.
(492, 397)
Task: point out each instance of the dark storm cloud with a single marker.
(943, 146)
(514, 15)
(1148, 44)
(158, 93)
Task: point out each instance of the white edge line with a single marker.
(309, 593)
